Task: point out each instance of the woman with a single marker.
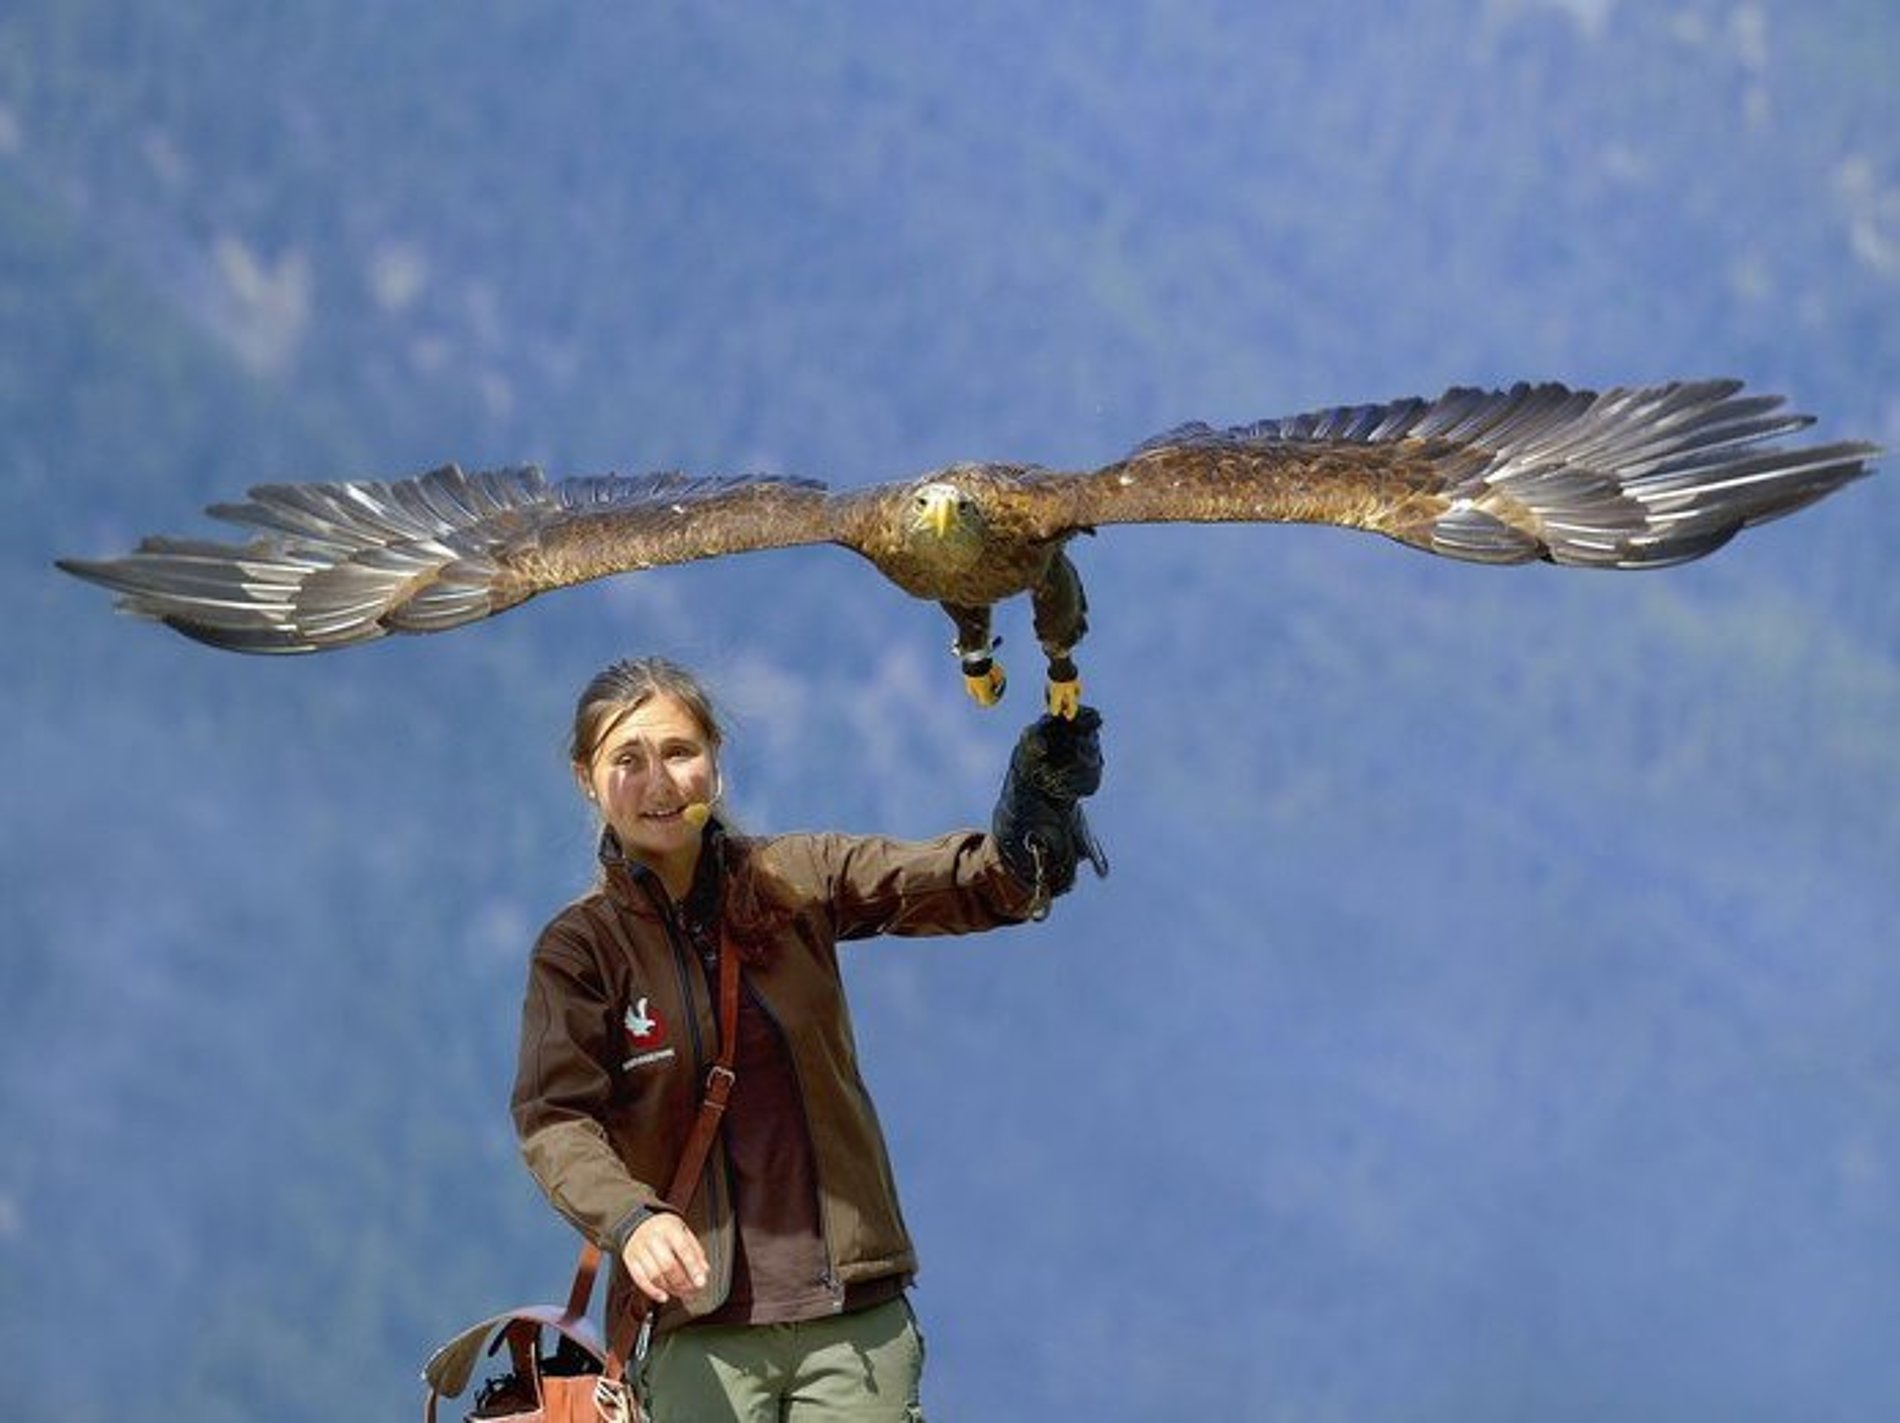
(794, 1223)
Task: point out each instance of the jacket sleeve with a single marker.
(955, 884)
(561, 1094)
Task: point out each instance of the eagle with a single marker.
(1632, 477)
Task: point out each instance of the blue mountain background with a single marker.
(1491, 1014)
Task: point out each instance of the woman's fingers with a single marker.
(664, 1258)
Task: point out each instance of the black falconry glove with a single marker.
(1038, 823)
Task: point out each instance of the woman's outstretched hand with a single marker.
(664, 1258)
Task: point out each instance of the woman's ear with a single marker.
(585, 784)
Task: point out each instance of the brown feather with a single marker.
(600, 526)
(1623, 479)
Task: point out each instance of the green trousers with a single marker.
(853, 1368)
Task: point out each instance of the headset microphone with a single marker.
(697, 813)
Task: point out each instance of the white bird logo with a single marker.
(639, 1024)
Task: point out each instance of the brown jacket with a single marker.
(619, 1026)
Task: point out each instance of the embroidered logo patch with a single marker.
(646, 1036)
(644, 1028)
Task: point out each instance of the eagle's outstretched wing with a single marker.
(340, 563)
(1627, 478)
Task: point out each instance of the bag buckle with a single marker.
(611, 1400)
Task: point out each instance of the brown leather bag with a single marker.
(584, 1380)
(565, 1386)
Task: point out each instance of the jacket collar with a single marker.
(633, 885)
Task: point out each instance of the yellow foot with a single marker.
(1065, 698)
(986, 688)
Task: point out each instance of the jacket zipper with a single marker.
(833, 1285)
(684, 971)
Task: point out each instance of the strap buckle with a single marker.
(613, 1400)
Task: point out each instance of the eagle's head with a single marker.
(945, 521)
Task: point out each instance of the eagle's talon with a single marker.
(1065, 698)
(986, 687)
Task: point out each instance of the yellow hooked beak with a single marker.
(937, 509)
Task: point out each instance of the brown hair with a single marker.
(621, 688)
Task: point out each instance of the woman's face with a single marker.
(651, 765)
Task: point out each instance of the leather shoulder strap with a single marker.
(720, 1078)
(582, 1289)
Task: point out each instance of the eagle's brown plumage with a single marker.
(1624, 479)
